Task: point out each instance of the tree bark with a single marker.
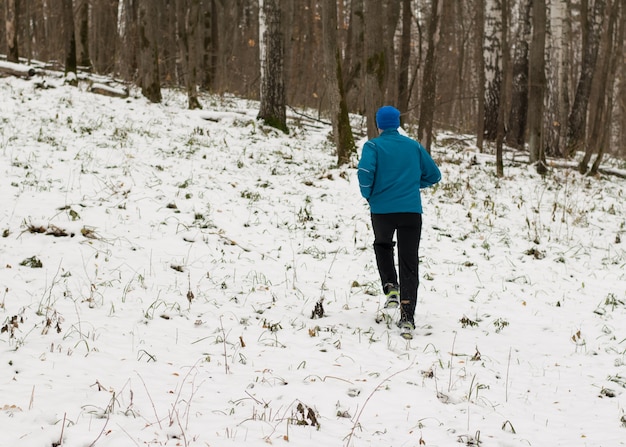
(557, 70)
(375, 69)
(69, 37)
(82, 43)
(355, 56)
(273, 109)
(429, 83)
(149, 81)
(516, 132)
(210, 44)
(188, 17)
(12, 31)
(342, 132)
(391, 14)
(537, 86)
(405, 60)
(19, 70)
(502, 102)
(576, 123)
(602, 95)
(493, 66)
(480, 69)
(129, 27)
(103, 89)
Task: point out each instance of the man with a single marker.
(391, 172)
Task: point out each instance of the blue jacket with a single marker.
(392, 169)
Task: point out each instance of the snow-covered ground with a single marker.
(160, 268)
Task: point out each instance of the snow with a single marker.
(173, 260)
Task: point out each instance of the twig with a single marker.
(32, 399)
(62, 430)
(506, 385)
(224, 343)
(129, 435)
(151, 401)
(358, 417)
(100, 434)
(451, 355)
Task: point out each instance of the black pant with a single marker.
(408, 229)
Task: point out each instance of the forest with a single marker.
(542, 76)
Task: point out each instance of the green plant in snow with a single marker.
(500, 324)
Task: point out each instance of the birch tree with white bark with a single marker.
(492, 56)
(537, 83)
(558, 41)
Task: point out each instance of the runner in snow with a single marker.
(392, 170)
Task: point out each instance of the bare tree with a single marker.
(479, 60)
(557, 69)
(11, 30)
(602, 94)
(405, 60)
(537, 83)
(273, 108)
(354, 56)
(502, 102)
(188, 19)
(492, 54)
(620, 137)
(128, 38)
(390, 17)
(69, 37)
(210, 43)
(429, 83)
(342, 131)
(592, 25)
(516, 132)
(82, 42)
(149, 81)
(375, 71)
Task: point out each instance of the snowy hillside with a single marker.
(160, 270)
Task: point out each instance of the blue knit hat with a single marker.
(388, 117)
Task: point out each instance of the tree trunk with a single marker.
(405, 59)
(193, 23)
(557, 92)
(149, 81)
(576, 123)
(375, 70)
(391, 14)
(429, 83)
(516, 132)
(493, 66)
(188, 17)
(480, 69)
(210, 44)
(602, 95)
(354, 56)
(11, 30)
(19, 70)
(502, 103)
(82, 43)
(128, 39)
(273, 109)
(620, 137)
(342, 131)
(69, 37)
(537, 81)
